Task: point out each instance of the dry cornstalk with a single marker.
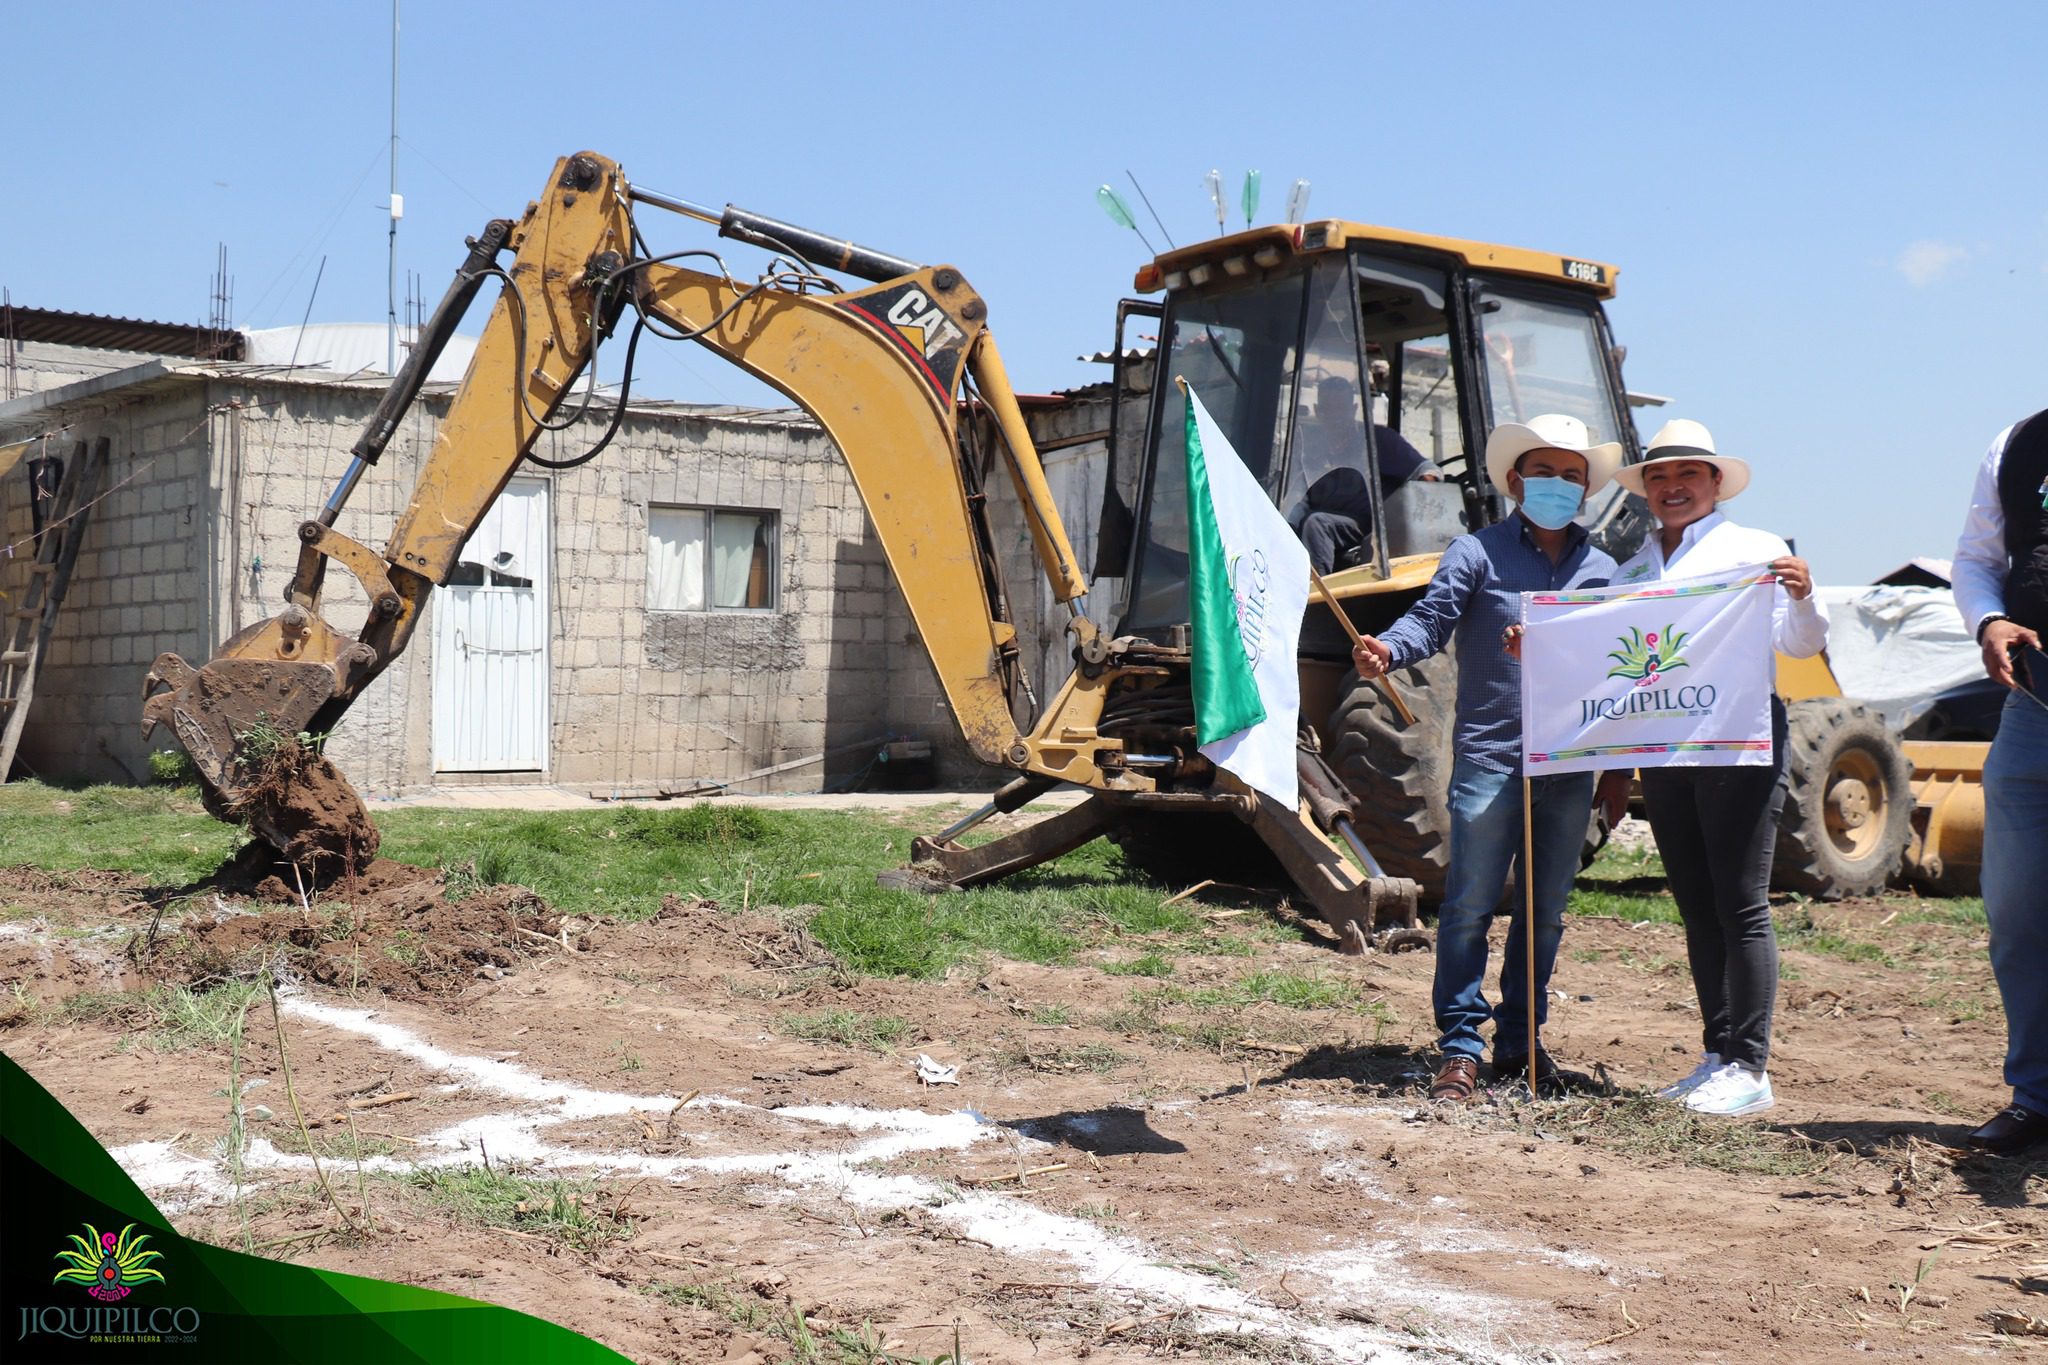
(1628, 1331)
(1013, 1175)
(379, 1101)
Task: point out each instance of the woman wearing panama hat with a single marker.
(1716, 827)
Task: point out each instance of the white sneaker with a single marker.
(1731, 1092)
(1710, 1062)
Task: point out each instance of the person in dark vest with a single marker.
(2001, 583)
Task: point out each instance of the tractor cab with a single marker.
(1356, 371)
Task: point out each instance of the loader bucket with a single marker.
(1945, 852)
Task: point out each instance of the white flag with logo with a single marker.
(1247, 592)
(1675, 674)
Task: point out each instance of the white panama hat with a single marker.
(1681, 438)
(1510, 441)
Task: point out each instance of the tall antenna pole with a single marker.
(397, 212)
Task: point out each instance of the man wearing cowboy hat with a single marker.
(1549, 466)
(1717, 828)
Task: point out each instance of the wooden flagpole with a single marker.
(1344, 619)
(1529, 923)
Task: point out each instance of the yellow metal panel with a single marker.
(492, 421)
(1802, 679)
(1405, 573)
(1960, 758)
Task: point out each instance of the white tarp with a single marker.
(1675, 674)
(1897, 649)
(351, 348)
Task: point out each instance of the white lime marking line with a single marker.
(1123, 1267)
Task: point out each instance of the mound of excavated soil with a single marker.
(394, 929)
(302, 804)
(256, 872)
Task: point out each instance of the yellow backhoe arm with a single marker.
(881, 369)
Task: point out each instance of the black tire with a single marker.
(1848, 802)
(1179, 850)
(1401, 774)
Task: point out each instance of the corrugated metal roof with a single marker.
(120, 334)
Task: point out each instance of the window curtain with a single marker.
(732, 559)
(675, 559)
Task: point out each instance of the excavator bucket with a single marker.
(240, 719)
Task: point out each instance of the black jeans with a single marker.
(1716, 829)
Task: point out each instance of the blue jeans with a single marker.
(1486, 842)
(2015, 902)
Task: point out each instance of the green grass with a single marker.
(567, 1211)
(175, 1017)
(1797, 928)
(1296, 990)
(847, 1028)
(1151, 964)
(621, 862)
(1624, 885)
(160, 834)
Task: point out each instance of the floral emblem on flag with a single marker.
(1643, 657)
(109, 1264)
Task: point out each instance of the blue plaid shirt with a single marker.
(1477, 594)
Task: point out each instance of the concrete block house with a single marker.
(702, 607)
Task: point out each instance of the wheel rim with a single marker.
(1855, 805)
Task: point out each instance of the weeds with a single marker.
(1099, 1058)
(1643, 1125)
(570, 1212)
(237, 1140)
(809, 1340)
(847, 1028)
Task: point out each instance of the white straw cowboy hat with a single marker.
(1681, 438)
(1510, 441)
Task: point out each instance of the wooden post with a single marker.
(1385, 684)
(1529, 923)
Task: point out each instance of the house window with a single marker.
(710, 558)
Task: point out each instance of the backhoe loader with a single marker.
(886, 371)
(1322, 349)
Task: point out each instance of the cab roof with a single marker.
(1268, 247)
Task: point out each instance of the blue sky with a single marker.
(1831, 218)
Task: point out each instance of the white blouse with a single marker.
(1714, 544)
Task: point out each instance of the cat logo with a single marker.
(925, 333)
(923, 324)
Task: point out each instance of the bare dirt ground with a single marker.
(721, 1164)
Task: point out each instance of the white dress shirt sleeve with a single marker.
(1799, 625)
(1978, 573)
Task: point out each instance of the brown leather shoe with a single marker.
(1457, 1080)
(2012, 1129)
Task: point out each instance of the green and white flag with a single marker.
(1247, 590)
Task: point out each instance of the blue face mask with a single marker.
(1551, 503)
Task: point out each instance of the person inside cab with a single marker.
(1334, 518)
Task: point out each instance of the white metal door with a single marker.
(491, 642)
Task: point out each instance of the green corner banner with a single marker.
(91, 1271)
